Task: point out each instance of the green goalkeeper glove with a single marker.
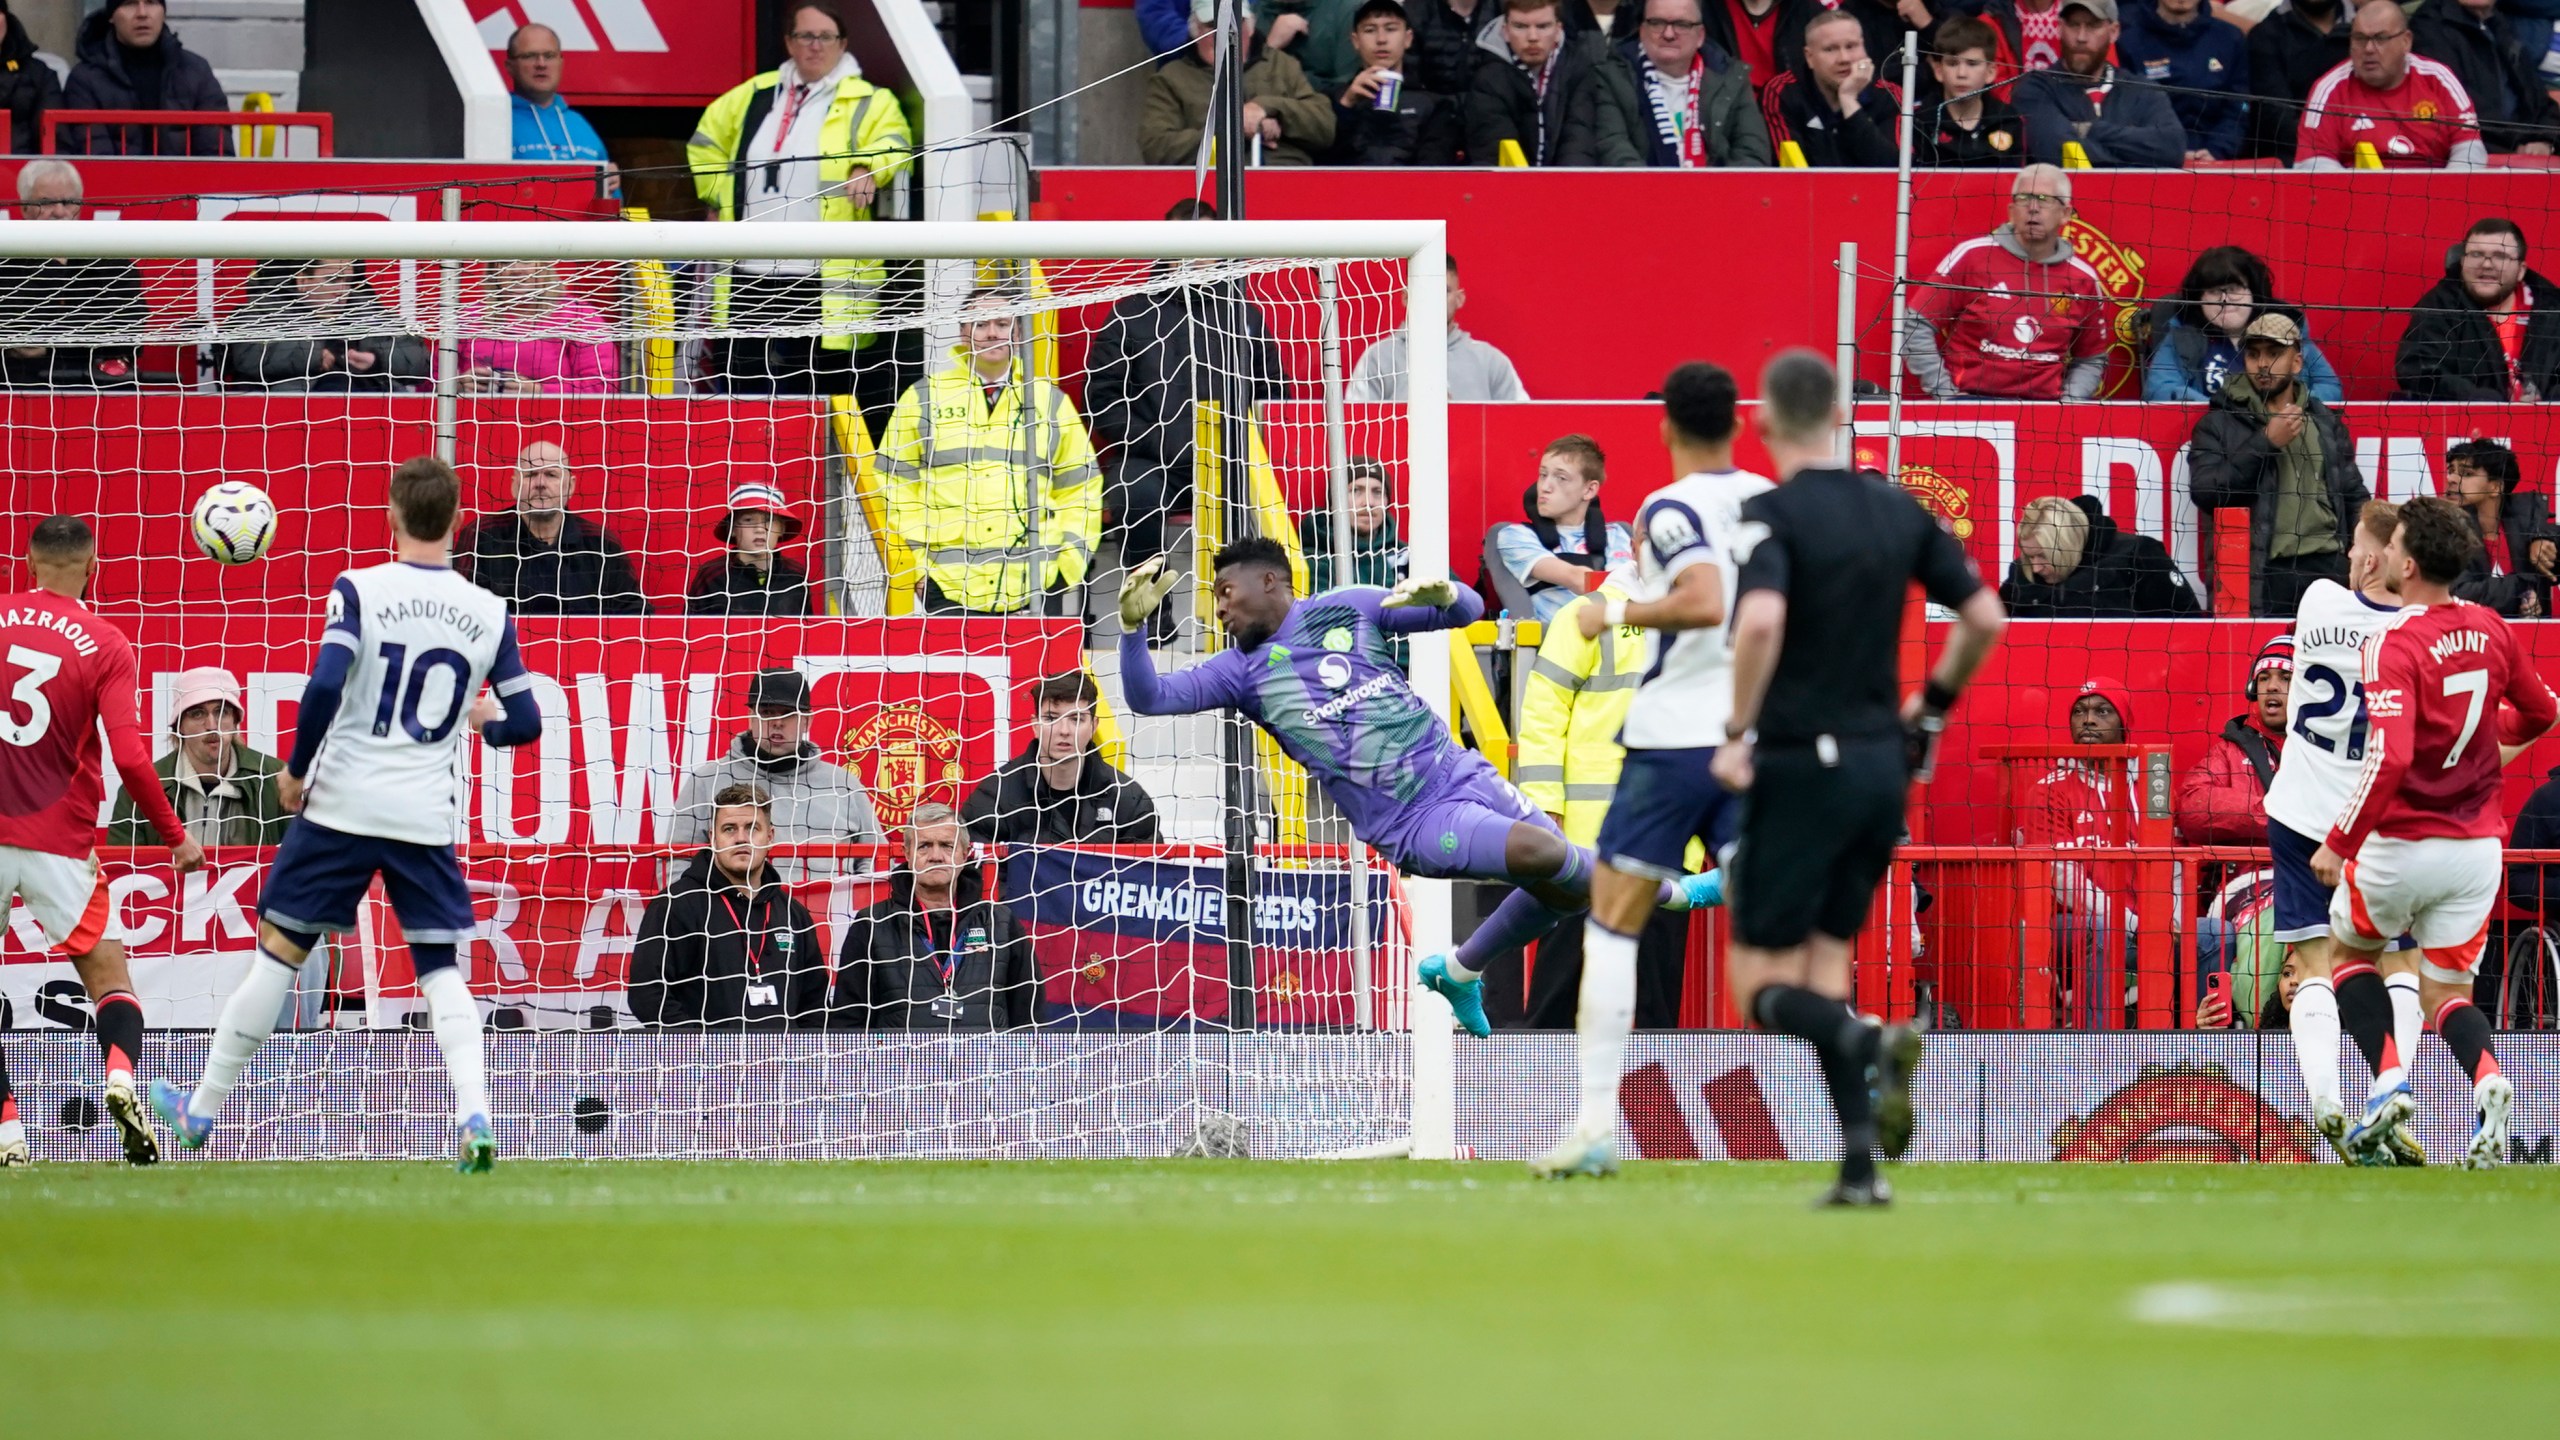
(1437, 594)
(1143, 591)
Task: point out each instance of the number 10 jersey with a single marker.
(2326, 725)
(422, 641)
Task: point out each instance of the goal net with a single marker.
(850, 532)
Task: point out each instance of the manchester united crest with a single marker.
(905, 757)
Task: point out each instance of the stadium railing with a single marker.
(306, 134)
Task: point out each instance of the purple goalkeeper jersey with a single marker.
(1327, 690)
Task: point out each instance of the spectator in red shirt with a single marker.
(2512, 570)
(2412, 110)
(1759, 32)
(2019, 316)
(2223, 800)
(2489, 330)
(2088, 805)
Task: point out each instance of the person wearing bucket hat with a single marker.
(2223, 799)
(754, 577)
(224, 792)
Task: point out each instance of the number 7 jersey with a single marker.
(422, 641)
(2326, 725)
(2435, 677)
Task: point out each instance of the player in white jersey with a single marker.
(376, 773)
(1665, 794)
(2324, 750)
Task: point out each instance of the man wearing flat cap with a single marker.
(815, 800)
(2269, 446)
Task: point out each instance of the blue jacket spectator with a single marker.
(1165, 25)
(545, 127)
(2205, 63)
(131, 60)
(2196, 333)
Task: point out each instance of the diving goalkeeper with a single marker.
(1316, 674)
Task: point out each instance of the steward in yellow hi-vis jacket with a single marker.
(1576, 701)
(811, 140)
(991, 480)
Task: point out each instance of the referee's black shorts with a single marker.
(1816, 840)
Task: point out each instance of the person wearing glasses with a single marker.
(545, 127)
(1670, 100)
(809, 140)
(2013, 315)
(2489, 331)
(2413, 111)
(38, 294)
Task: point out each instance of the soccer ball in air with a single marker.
(233, 522)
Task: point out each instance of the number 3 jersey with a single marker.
(2324, 723)
(2434, 680)
(421, 641)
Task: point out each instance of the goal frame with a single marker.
(1421, 244)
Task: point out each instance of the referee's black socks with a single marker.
(1847, 1046)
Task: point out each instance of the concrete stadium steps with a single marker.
(253, 45)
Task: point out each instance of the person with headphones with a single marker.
(2223, 800)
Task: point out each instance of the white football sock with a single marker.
(248, 1018)
(2408, 1023)
(13, 1132)
(457, 1025)
(2315, 1039)
(1607, 1013)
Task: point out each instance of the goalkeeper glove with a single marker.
(1437, 594)
(1144, 590)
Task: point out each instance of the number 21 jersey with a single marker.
(423, 640)
(2325, 723)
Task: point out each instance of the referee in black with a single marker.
(1823, 748)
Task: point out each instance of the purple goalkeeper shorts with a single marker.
(1461, 829)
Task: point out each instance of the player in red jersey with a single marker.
(64, 671)
(2418, 847)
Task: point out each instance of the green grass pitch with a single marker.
(1232, 1299)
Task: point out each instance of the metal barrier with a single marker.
(139, 132)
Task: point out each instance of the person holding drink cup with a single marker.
(1380, 117)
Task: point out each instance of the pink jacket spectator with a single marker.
(560, 366)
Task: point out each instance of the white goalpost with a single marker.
(638, 379)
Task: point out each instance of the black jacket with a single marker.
(585, 573)
(1161, 353)
(110, 77)
(730, 586)
(1795, 109)
(2230, 465)
(1015, 806)
(1445, 54)
(712, 955)
(2536, 887)
(319, 365)
(57, 297)
(1502, 102)
(2121, 576)
(887, 976)
(2523, 518)
(2504, 85)
(1423, 129)
(2287, 56)
(27, 88)
(2450, 350)
(1611, 120)
(2139, 127)
(1999, 137)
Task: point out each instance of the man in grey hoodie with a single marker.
(1477, 371)
(815, 801)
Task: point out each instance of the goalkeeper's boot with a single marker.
(2495, 1097)
(170, 1104)
(1871, 1194)
(2401, 1144)
(13, 1146)
(2382, 1113)
(1694, 892)
(133, 1122)
(2331, 1122)
(1579, 1153)
(475, 1149)
(1897, 1057)
(1464, 996)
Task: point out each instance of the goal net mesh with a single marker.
(850, 532)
